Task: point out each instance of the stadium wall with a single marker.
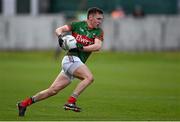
(154, 33)
(28, 33)
(150, 33)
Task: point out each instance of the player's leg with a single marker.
(59, 83)
(86, 77)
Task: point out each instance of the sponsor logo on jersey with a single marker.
(83, 39)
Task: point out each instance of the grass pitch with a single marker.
(127, 86)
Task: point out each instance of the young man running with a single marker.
(89, 38)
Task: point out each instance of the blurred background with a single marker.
(129, 25)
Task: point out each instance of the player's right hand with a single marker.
(60, 40)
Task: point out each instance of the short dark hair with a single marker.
(94, 10)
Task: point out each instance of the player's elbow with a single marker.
(57, 31)
(62, 29)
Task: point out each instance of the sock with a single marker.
(72, 98)
(28, 101)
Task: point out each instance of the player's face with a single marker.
(96, 20)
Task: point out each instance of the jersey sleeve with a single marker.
(73, 25)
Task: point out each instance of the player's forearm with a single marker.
(90, 48)
(61, 30)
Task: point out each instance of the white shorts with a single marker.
(69, 65)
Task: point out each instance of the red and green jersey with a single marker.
(84, 36)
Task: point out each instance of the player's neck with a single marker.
(90, 26)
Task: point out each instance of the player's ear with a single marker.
(90, 17)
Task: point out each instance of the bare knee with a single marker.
(89, 79)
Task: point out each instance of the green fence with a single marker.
(150, 6)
